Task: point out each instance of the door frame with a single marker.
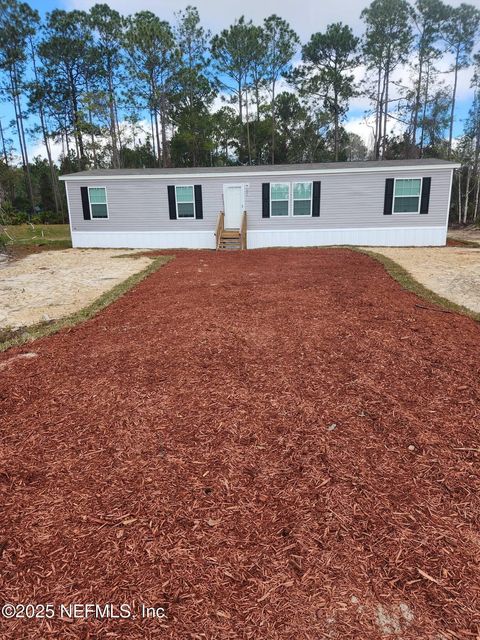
(227, 185)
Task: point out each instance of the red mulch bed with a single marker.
(269, 444)
(452, 242)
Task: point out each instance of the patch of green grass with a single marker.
(409, 283)
(16, 337)
(53, 236)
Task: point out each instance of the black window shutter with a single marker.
(172, 204)
(388, 203)
(266, 200)
(85, 203)
(316, 199)
(198, 202)
(425, 198)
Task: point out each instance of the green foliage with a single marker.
(67, 56)
(193, 95)
(137, 91)
(388, 34)
(327, 74)
(460, 30)
(140, 157)
(153, 62)
(48, 217)
(10, 216)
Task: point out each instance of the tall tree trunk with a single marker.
(476, 161)
(467, 194)
(154, 97)
(157, 137)
(378, 121)
(92, 134)
(424, 110)
(21, 135)
(4, 148)
(477, 197)
(77, 148)
(452, 110)
(385, 115)
(460, 196)
(335, 125)
(67, 142)
(257, 121)
(163, 126)
(118, 129)
(240, 101)
(53, 176)
(416, 109)
(113, 120)
(152, 129)
(248, 129)
(92, 139)
(273, 122)
(76, 120)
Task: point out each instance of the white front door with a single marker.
(233, 201)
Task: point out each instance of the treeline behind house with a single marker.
(138, 91)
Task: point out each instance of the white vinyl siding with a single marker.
(184, 197)
(406, 196)
(302, 198)
(279, 199)
(97, 197)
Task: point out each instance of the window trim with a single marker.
(407, 213)
(272, 215)
(92, 217)
(302, 215)
(192, 187)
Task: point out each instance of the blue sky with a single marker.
(306, 17)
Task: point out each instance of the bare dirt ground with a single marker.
(53, 284)
(470, 234)
(270, 445)
(452, 272)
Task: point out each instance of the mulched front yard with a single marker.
(269, 444)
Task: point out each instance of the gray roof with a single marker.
(319, 166)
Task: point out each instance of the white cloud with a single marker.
(306, 17)
(364, 127)
(38, 149)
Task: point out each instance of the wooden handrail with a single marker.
(220, 227)
(243, 231)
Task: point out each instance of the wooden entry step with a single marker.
(230, 239)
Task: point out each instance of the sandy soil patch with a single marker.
(470, 234)
(53, 284)
(452, 272)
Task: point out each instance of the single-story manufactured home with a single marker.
(389, 203)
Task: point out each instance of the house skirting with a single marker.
(373, 237)
(144, 239)
(256, 238)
